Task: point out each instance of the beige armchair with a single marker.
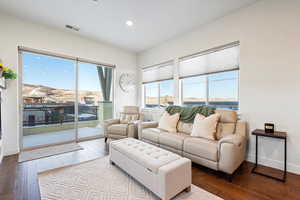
(125, 126)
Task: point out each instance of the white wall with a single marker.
(15, 32)
(269, 33)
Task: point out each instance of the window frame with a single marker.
(158, 93)
(177, 77)
(207, 86)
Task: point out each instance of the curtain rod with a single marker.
(48, 53)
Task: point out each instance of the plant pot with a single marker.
(1, 73)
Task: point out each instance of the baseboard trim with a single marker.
(274, 163)
(10, 152)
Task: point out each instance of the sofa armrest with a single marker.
(151, 124)
(131, 130)
(237, 138)
(232, 149)
(108, 123)
(142, 125)
(240, 128)
(231, 139)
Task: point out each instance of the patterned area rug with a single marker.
(99, 180)
(48, 151)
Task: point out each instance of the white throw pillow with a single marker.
(168, 122)
(205, 127)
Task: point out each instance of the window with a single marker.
(159, 94)
(158, 85)
(211, 77)
(194, 91)
(166, 93)
(223, 90)
(151, 95)
(219, 90)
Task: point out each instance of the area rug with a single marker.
(99, 180)
(48, 151)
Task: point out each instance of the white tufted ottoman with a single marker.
(165, 173)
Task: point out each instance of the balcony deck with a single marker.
(61, 136)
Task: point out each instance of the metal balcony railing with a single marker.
(45, 114)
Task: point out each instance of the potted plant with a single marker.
(7, 73)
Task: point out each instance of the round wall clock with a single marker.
(127, 82)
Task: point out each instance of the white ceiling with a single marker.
(154, 21)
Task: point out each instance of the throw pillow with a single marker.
(168, 122)
(205, 127)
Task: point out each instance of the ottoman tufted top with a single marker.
(147, 155)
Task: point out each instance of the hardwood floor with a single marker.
(19, 181)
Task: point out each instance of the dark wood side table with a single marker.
(277, 135)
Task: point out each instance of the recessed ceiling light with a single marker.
(129, 23)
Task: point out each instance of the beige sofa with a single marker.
(226, 153)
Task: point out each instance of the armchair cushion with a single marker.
(201, 147)
(126, 118)
(118, 129)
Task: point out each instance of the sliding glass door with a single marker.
(48, 100)
(93, 105)
(63, 100)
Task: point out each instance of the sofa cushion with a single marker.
(169, 122)
(174, 140)
(225, 129)
(227, 116)
(151, 134)
(227, 123)
(201, 147)
(184, 127)
(118, 129)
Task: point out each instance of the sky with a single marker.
(58, 73)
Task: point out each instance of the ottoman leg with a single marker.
(188, 189)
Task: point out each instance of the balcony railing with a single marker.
(45, 114)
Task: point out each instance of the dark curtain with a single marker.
(105, 77)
